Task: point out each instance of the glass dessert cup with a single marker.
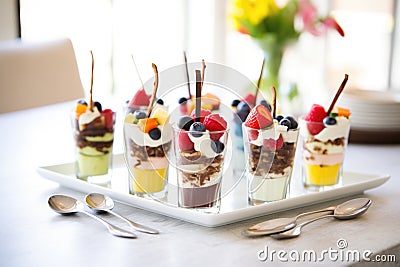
(199, 169)
(323, 153)
(147, 161)
(94, 144)
(270, 157)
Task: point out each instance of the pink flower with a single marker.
(313, 23)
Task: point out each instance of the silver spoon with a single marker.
(100, 202)
(280, 224)
(67, 205)
(345, 211)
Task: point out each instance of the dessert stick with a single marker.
(340, 90)
(273, 93)
(187, 74)
(259, 83)
(198, 94)
(203, 70)
(153, 95)
(137, 72)
(91, 84)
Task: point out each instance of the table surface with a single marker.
(33, 235)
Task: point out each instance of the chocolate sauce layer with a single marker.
(263, 160)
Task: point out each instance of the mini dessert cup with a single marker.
(270, 156)
(199, 160)
(147, 161)
(94, 143)
(323, 153)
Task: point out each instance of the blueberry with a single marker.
(160, 101)
(329, 120)
(217, 146)
(286, 122)
(243, 107)
(242, 115)
(139, 114)
(98, 106)
(182, 100)
(293, 122)
(235, 103)
(155, 134)
(82, 102)
(278, 117)
(266, 104)
(197, 127)
(185, 122)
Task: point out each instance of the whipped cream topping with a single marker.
(203, 144)
(133, 132)
(330, 132)
(273, 133)
(89, 116)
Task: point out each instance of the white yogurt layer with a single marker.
(203, 144)
(330, 132)
(89, 116)
(140, 138)
(273, 132)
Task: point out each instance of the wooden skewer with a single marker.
(153, 95)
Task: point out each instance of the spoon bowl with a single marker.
(346, 211)
(67, 205)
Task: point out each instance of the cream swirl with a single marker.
(140, 138)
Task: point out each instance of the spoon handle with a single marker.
(296, 231)
(332, 208)
(135, 225)
(111, 228)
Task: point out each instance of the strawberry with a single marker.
(273, 145)
(250, 99)
(108, 117)
(253, 134)
(203, 114)
(259, 118)
(214, 122)
(184, 141)
(139, 99)
(317, 115)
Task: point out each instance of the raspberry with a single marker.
(108, 117)
(317, 115)
(203, 114)
(253, 134)
(184, 141)
(259, 118)
(273, 145)
(214, 122)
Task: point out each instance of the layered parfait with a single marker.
(200, 150)
(270, 146)
(93, 130)
(324, 142)
(148, 140)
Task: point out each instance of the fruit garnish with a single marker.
(259, 118)
(266, 104)
(328, 120)
(139, 99)
(235, 103)
(217, 146)
(184, 142)
(109, 118)
(182, 100)
(98, 106)
(250, 99)
(211, 100)
(185, 122)
(147, 124)
(343, 112)
(243, 110)
(316, 114)
(272, 144)
(289, 122)
(197, 127)
(139, 114)
(203, 114)
(214, 122)
(155, 134)
(80, 109)
(130, 118)
(160, 101)
(253, 134)
(161, 116)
